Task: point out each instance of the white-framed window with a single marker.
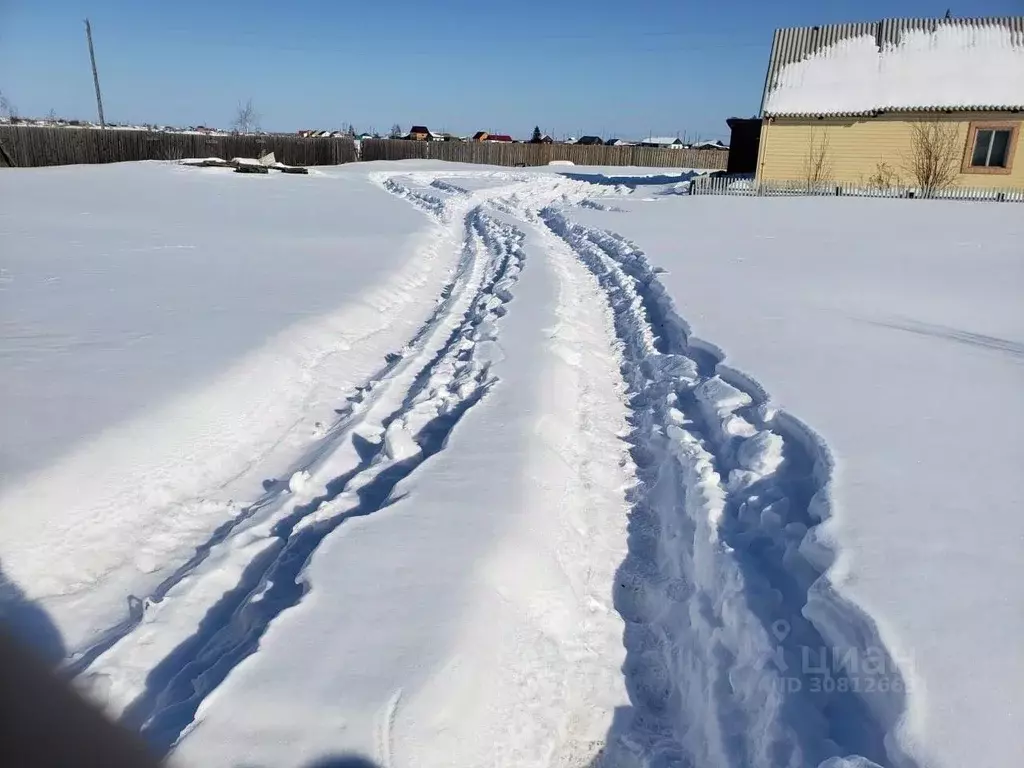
(990, 147)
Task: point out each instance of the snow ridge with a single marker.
(454, 382)
(428, 203)
(738, 650)
(358, 409)
(447, 186)
(155, 676)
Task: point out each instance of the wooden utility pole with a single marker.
(95, 74)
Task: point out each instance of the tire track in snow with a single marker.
(432, 204)
(350, 417)
(738, 651)
(723, 590)
(454, 378)
(446, 186)
(386, 729)
(412, 434)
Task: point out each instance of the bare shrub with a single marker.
(934, 160)
(247, 119)
(817, 165)
(885, 177)
(7, 109)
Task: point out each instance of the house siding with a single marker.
(856, 146)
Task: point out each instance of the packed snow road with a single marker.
(503, 508)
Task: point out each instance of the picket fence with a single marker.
(747, 186)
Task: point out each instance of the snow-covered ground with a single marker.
(896, 332)
(172, 338)
(450, 465)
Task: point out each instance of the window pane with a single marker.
(982, 142)
(1000, 145)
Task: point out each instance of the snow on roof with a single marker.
(952, 65)
(664, 140)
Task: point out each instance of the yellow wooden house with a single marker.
(869, 103)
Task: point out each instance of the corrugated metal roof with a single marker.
(794, 44)
(877, 112)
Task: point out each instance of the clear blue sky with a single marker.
(610, 67)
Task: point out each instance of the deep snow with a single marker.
(896, 332)
(162, 276)
(501, 549)
(520, 507)
(172, 338)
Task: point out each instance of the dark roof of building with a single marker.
(732, 122)
(419, 129)
(590, 140)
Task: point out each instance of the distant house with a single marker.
(422, 133)
(544, 139)
(662, 141)
(590, 141)
(569, 140)
(486, 136)
(865, 100)
(716, 144)
(618, 143)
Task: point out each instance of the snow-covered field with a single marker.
(458, 466)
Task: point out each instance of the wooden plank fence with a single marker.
(503, 153)
(748, 187)
(27, 146)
